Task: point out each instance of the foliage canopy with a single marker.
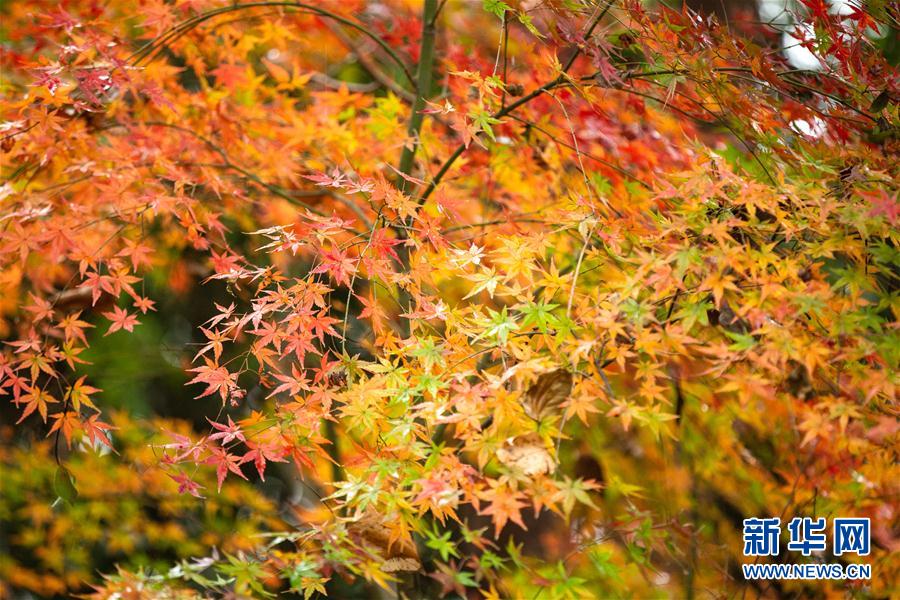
(520, 298)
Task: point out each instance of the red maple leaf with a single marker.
(230, 75)
(260, 454)
(336, 179)
(293, 384)
(95, 430)
(224, 463)
(187, 485)
(226, 433)
(336, 263)
(216, 378)
(883, 205)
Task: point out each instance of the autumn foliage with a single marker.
(501, 299)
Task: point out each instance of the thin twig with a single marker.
(563, 77)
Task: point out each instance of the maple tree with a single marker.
(531, 298)
(114, 508)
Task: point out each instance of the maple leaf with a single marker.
(575, 490)
(293, 384)
(505, 505)
(259, 454)
(609, 250)
(120, 320)
(605, 69)
(40, 308)
(217, 379)
(268, 333)
(363, 186)
(373, 311)
(473, 255)
(337, 264)
(121, 280)
(79, 394)
(186, 485)
(95, 83)
(624, 410)
(225, 262)
(336, 179)
(183, 443)
(144, 304)
(301, 343)
(137, 253)
(428, 310)
(322, 325)
(61, 19)
(66, 422)
(73, 327)
(230, 76)
(718, 282)
(883, 205)
(385, 192)
(224, 314)
(224, 463)
(226, 433)
(98, 284)
(31, 344)
(216, 343)
(9, 378)
(485, 281)
(581, 405)
(95, 430)
(36, 399)
(383, 245)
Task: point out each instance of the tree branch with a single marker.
(371, 65)
(423, 88)
(560, 80)
(174, 33)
